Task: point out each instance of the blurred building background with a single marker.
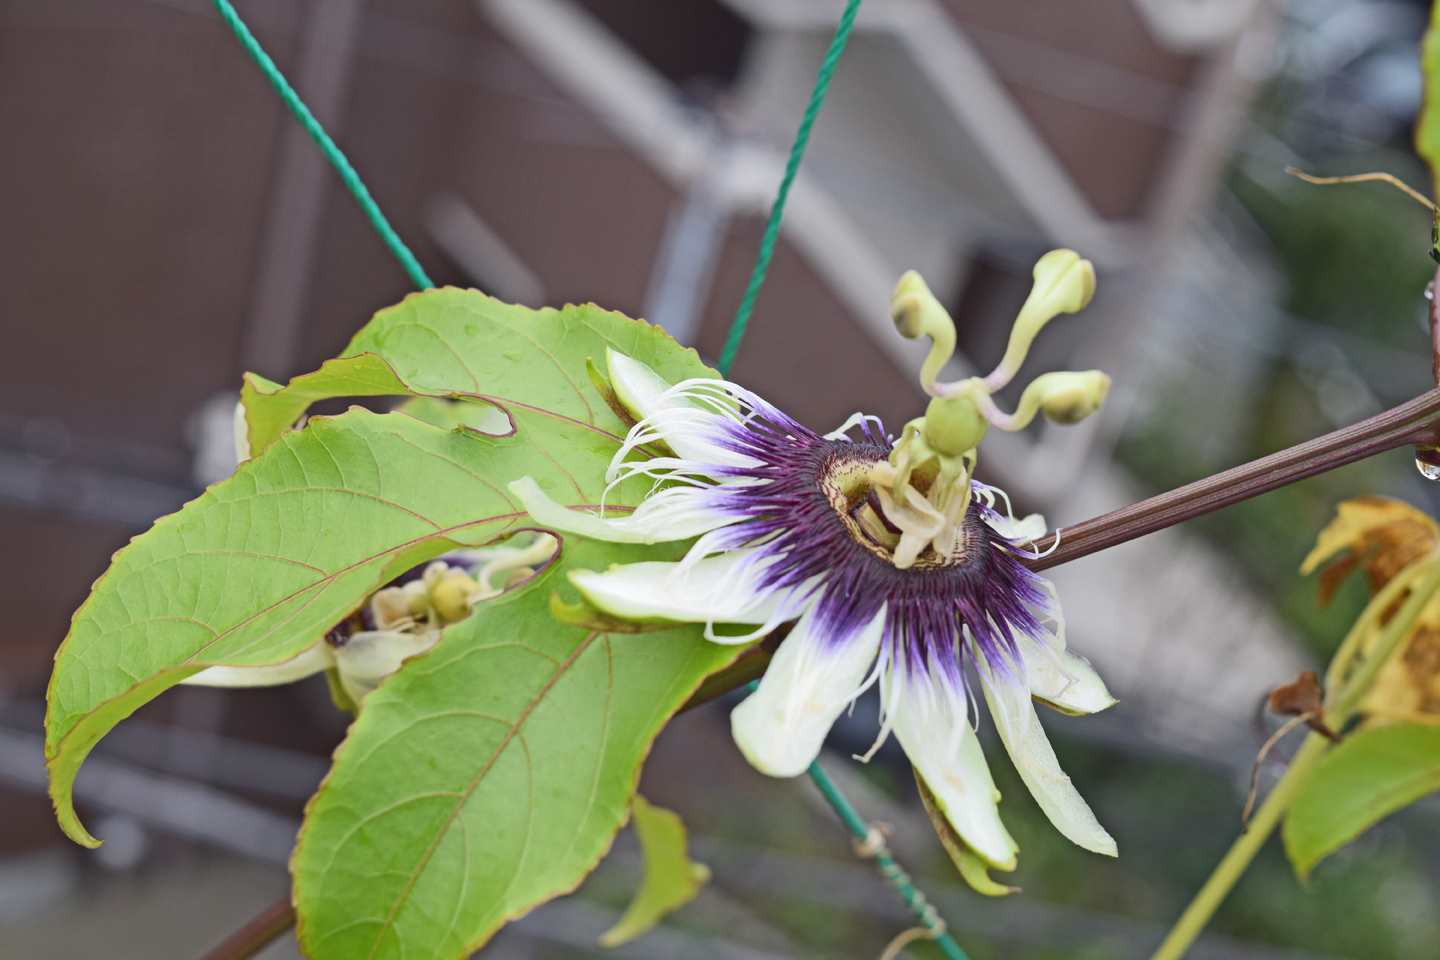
(166, 227)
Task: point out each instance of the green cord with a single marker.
(891, 870)
(924, 911)
(327, 146)
(797, 150)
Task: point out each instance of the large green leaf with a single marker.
(259, 566)
(262, 564)
(1427, 127)
(671, 879)
(1370, 775)
(453, 343)
(489, 775)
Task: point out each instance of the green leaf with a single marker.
(262, 564)
(461, 343)
(1427, 127)
(543, 724)
(1369, 775)
(973, 869)
(671, 880)
(449, 414)
(489, 775)
(270, 409)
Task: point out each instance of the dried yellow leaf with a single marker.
(1380, 533)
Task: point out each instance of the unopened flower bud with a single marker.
(417, 592)
(390, 607)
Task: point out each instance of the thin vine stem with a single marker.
(1344, 703)
(1238, 858)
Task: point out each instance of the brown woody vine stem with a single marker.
(1417, 421)
(252, 938)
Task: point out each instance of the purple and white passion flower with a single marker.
(892, 562)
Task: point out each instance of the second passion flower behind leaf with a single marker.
(897, 573)
(398, 623)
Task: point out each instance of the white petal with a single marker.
(935, 731)
(690, 431)
(372, 655)
(685, 425)
(636, 385)
(1063, 680)
(718, 589)
(312, 661)
(671, 514)
(809, 683)
(1034, 758)
(1029, 528)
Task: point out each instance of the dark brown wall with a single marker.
(802, 350)
(1116, 148)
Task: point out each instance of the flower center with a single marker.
(928, 526)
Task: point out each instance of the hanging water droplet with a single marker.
(1429, 471)
(1430, 290)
